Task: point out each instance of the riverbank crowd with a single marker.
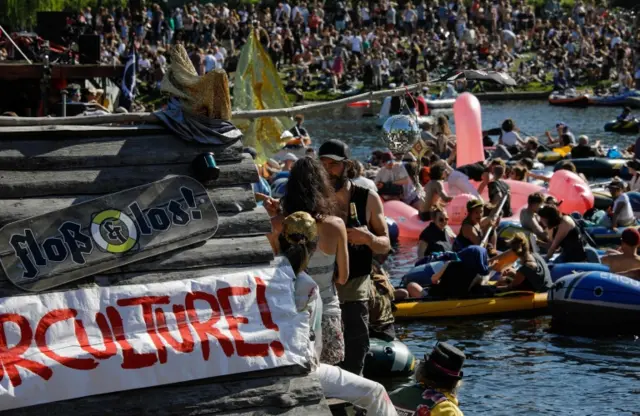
(344, 46)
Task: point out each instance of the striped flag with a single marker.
(129, 81)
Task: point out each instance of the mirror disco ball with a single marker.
(400, 132)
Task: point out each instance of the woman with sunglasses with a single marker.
(437, 236)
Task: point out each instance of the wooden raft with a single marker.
(47, 168)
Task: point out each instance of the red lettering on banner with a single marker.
(244, 349)
(46, 322)
(187, 344)
(11, 357)
(265, 314)
(110, 347)
(204, 329)
(131, 359)
(147, 302)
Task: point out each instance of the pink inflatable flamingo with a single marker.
(466, 112)
(570, 188)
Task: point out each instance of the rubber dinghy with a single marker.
(630, 126)
(504, 303)
(596, 301)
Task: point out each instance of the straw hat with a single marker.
(207, 95)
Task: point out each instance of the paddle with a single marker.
(486, 236)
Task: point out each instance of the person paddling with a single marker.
(437, 382)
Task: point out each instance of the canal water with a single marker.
(515, 366)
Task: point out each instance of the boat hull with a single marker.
(559, 100)
(596, 301)
(425, 309)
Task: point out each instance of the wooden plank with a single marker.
(242, 115)
(216, 252)
(226, 199)
(267, 392)
(119, 278)
(86, 120)
(154, 149)
(243, 224)
(79, 132)
(21, 184)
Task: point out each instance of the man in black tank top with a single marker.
(368, 235)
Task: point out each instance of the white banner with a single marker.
(79, 343)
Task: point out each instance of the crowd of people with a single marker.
(343, 198)
(345, 46)
(335, 234)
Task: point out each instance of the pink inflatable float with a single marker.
(570, 188)
(411, 226)
(466, 112)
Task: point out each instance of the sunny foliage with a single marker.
(21, 14)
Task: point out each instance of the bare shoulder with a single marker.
(374, 200)
(333, 223)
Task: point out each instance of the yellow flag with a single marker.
(257, 86)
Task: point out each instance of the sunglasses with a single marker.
(443, 220)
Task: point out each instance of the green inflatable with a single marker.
(388, 359)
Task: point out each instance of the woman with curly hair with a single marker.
(308, 190)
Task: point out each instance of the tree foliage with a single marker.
(21, 14)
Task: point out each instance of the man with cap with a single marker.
(583, 150)
(626, 261)
(367, 234)
(621, 213)
(438, 378)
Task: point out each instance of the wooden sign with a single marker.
(84, 239)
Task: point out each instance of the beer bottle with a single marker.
(353, 221)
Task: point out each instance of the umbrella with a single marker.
(500, 78)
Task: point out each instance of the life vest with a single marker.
(415, 400)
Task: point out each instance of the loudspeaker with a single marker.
(52, 25)
(89, 48)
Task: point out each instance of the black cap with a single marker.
(444, 362)
(334, 149)
(616, 183)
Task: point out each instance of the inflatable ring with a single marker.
(101, 220)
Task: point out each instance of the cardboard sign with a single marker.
(65, 345)
(62, 246)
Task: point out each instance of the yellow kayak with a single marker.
(502, 303)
